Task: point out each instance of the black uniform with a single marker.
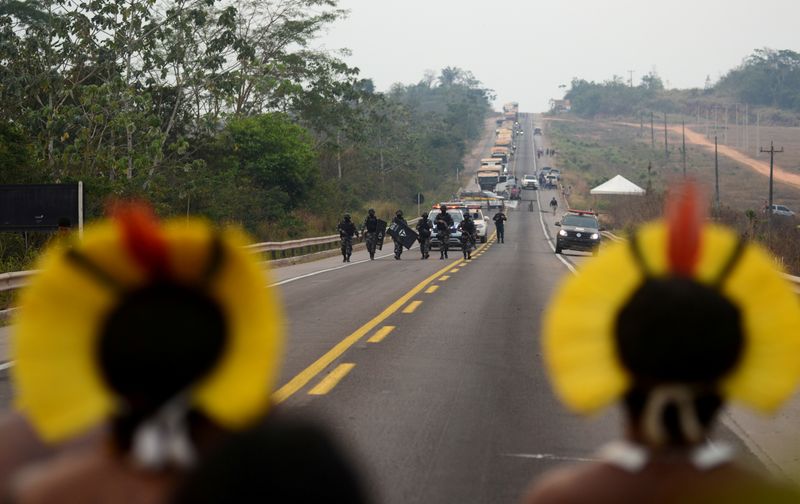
(347, 230)
(500, 225)
(398, 245)
(467, 228)
(424, 229)
(444, 222)
(370, 228)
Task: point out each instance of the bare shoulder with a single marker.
(567, 484)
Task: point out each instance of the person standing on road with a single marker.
(370, 232)
(690, 317)
(444, 224)
(554, 205)
(424, 233)
(347, 230)
(398, 245)
(467, 228)
(499, 224)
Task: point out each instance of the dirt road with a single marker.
(760, 167)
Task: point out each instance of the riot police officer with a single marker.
(467, 228)
(424, 228)
(347, 230)
(398, 244)
(444, 223)
(370, 232)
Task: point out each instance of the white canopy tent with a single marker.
(618, 185)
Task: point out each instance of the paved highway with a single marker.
(430, 371)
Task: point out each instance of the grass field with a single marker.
(592, 152)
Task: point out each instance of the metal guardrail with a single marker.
(17, 279)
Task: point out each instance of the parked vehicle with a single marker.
(580, 230)
(782, 210)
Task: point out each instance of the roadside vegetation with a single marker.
(222, 109)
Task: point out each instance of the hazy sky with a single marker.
(523, 49)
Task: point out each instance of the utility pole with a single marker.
(716, 172)
(630, 80)
(652, 131)
(641, 125)
(666, 142)
(772, 153)
(725, 133)
(683, 148)
(758, 131)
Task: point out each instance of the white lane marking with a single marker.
(541, 220)
(549, 456)
(549, 240)
(6, 365)
(315, 273)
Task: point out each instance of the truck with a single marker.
(488, 177)
(501, 153)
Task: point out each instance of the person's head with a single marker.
(443, 208)
(155, 315)
(346, 217)
(689, 316)
(371, 212)
(399, 213)
(424, 216)
(64, 225)
(467, 216)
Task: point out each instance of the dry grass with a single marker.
(591, 153)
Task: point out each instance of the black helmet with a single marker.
(467, 215)
(443, 208)
(399, 213)
(424, 215)
(347, 216)
(371, 211)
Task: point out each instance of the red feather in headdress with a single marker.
(685, 221)
(143, 237)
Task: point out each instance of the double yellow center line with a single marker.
(309, 373)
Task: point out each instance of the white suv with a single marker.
(530, 182)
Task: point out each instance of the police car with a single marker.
(456, 211)
(580, 230)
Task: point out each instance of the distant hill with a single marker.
(768, 81)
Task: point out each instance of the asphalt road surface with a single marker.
(430, 372)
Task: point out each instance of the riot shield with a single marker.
(380, 233)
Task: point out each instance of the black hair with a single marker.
(159, 340)
(706, 403)
(676, 330)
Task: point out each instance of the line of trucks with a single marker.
(493, 173)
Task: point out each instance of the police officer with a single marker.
(499, 224)
(398, 245)
(467, 228)
(424, 228)
(347, 230)
(370, 232)
(444, 223)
